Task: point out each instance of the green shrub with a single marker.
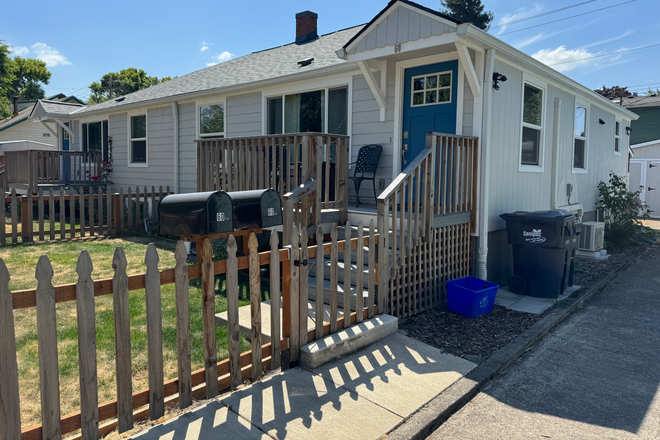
(624, 211)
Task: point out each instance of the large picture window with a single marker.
(308, 112)
(138, 140)
(95, 137)
(212, 120)
(580, 138)
(532, 126)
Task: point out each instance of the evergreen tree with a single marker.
(468, 11)
(115, 84)
(614, 92)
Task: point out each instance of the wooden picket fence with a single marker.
(207, 382)
(88, 211)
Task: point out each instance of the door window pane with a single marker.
(532, 108)
(531, 140)
(578, 155)
(212, 119)
(304, 112)
(433, 89)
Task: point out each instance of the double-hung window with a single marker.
(617, 137)
(212, 120)
(580, 140)
(531, 154)
(308, 112)
(137, 154)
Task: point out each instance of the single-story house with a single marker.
(545, 141)
(19, 127)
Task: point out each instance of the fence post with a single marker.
(294, 298)
(208, 318)
(275, 360)
(10, 418)
(234, 345)
(154, 334)
(255, 304)
(120, 296)
(24, 218)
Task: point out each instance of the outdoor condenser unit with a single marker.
(592, 236)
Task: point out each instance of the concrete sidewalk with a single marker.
(362, 396)
(594, 377)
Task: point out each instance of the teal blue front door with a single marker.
(429, 104)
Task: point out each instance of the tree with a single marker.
(614, 92)
(655, 92)
(29, 75)
(122, 83)
(22, 77)
(468, 11)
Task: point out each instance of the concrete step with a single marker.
(340, 293)
(245, 319)
(327, 266)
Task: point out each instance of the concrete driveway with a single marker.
(594, 377)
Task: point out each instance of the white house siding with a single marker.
(187, 148)
(400, 26)
(121, 174)
(368, 129)
(468, 109)
(650, 152)
(30, 131)
(243, 115)
(75, 144)
(509, 189)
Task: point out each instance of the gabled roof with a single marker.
(53, 108)
(641, 101)
(388, 9)
(268, 64)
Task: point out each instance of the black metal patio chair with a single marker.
(365, 167)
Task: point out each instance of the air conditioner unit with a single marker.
(592, 236)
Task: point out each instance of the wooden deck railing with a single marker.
(428, 210)
(42, 167)
(215, 376)
(281, 162)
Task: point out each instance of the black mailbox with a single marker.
(261, 208)
(202, 213)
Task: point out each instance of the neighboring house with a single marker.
(645, 143)
(545, 141)
(20, 128)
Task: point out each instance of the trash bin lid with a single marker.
(555, 217)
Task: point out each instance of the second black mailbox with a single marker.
(256, 209)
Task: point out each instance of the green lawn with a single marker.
(21, 261)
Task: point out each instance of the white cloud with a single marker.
(212, 63)
(51, 56)
(21, 51)
(570, 58)
(225, 56)
(501, 25)
(205, 46)
(531, 40)
(609, 40)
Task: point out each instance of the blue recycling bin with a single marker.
(471, 296)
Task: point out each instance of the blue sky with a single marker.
(81, 41)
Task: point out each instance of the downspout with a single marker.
(555, 154)
(482, 259)
(175, 130)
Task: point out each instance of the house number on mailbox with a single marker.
(271, 212)
(220, 217)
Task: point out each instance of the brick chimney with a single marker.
(306, 26)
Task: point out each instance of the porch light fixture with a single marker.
(628, 130)
(497, 78)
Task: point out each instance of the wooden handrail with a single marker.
(290, 200)
(409, 170)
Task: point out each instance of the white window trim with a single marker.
(206, 102)
(412, 91)
(584, 104)
(129, 139)
(618, 120)
(543, 86)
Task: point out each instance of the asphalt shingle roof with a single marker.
(641, 101)
(257, 66)
(59, 108)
